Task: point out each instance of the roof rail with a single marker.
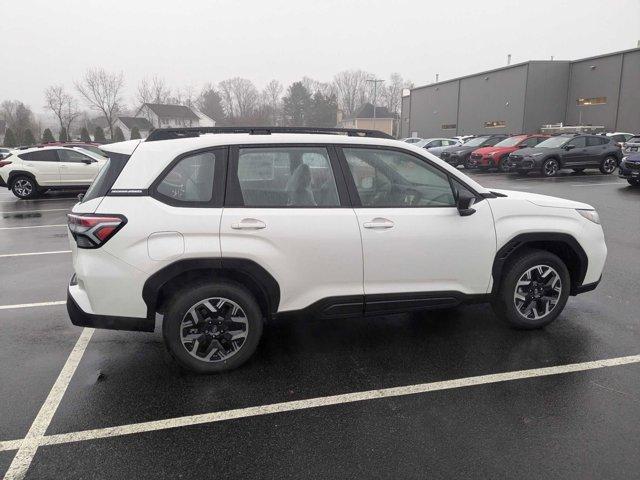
(187, 132)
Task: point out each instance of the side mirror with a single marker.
(87, 161)
(80, 196)
(465, 202)
(569, 147)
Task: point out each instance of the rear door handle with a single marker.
(249, 224)
(379, 224)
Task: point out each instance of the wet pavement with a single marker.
(573, 425)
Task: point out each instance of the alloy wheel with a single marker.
(609, 165)
(537, 292)
(23, 188)
(214, 330)
(550, 168)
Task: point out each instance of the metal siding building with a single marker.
(603, 90)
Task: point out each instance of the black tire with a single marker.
(634, 182)
(180, 304)
(578, 170)
(550, 167)
(504, 302)
(608, 165)
(24, 187)
(502, 164)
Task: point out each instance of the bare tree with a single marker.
(272, 98)
(240, 98)
(103, 92)
(153, 90)
(351, 89)
(62, 105)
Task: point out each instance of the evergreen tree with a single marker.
(297, 105)
(10, 140)
(324, 110)
(84, 135)
(63, 137)
(118, 136)
(28, 138)
(135, 133)
(98, 136)
(47, 136)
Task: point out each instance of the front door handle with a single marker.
(379, 224)
(249, 224)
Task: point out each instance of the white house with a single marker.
(168, 116)
(126, 124)
(205, 121)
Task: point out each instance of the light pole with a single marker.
(375, 82)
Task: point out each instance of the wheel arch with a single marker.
(563, 245)
(15, 173)
(160, 286)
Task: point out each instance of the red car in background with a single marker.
(496, 156)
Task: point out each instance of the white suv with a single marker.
(218, 231)
(32, 171)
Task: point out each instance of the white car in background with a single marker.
(620, 137)
(33, 171)
(4, 152)
(411, 140)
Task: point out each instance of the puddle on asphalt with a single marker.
(21, 215)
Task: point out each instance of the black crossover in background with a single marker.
(576, 152)
(461, 154)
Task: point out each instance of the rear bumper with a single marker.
(84, 319)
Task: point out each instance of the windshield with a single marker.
(553, 142)
(509, 142)
(476, 142)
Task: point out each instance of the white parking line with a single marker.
(31, 442)
(314, 403)
(5, 255)
(30, 305)
(34, 226)
(37, 211)
(595, 184)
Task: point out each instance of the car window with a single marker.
(434, 143)
(40, 156)
(595, 141)
(73, 156)
(492, 141)
(388, 178)
(578, 142)
(532, 142)
(286, 177)
(190, 180)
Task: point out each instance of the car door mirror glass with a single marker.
(569, 147)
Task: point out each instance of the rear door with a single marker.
(76, 168)
(596, 150)
(44, 163)
(287, 209)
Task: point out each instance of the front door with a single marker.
(76, 168)
(577, 155)
(286, 208)
(414, 240)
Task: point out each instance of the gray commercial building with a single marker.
(602, 90)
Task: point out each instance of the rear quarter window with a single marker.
(107, 176)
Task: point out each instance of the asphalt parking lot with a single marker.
(448, 394)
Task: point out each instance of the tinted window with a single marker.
(286, 177)
(386, 178)
(107, 176)
(492, 141)
(578, 142)
(434, 143)
(533, 141)
(190, 180)
(594, 141)
(40, 156)
(73, 156)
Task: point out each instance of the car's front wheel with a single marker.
(533, 290)
(550, 167)
(24, 187)
(609, 165)
(212, 327)
(503, 165)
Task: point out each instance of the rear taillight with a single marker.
(4, 162)
(93, 230)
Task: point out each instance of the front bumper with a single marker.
(82, 318)
(629, 170)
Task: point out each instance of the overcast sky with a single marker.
(191, 42)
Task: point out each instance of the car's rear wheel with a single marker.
(533, 291)
(212, 327)
(634, 182)
(24, 187)
(550, 167)
(609, 165)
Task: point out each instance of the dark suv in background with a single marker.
(568, 151)
(461, 154)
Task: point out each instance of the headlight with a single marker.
(590, 215)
